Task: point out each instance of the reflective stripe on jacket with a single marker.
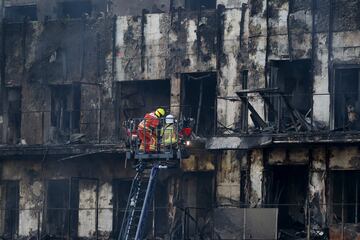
(150, 121)
(169, 135)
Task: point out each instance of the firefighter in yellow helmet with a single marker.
(147, 130)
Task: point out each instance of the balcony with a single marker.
(290, 110)
(271, 116)
(61, 132)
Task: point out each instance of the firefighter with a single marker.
(169, 134)
(147, 130)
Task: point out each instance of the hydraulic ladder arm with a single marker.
(134, 222)
(133, 226)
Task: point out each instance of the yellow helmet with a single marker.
(160, 112)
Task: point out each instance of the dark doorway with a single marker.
(19, 13)
(62, 204)
(197, 197)
(121, 191)
(345, 196)
(287, 190)
(10, 203)
(65, 108)
(293, 82)
(346, 99)
(198, 97)
(74, 9)
(136, 98)
(14, 115)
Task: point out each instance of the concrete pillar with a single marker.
(256, 178)
(105, 209)
(317, 183)
(228, 179)
(87, 209)
(87, 206)
(30, 204)
(175, 99)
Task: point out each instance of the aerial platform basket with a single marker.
(170, 150)
(165, 155)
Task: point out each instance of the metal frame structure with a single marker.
(141, 195)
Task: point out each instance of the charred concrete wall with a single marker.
(94, 8)
(303, 30)
(318, 162)
(41, 56)
(161, 46)
(96, 53)
(34, 175)
(248, 37)
(92, 194)
(156, 46)
(58, 9)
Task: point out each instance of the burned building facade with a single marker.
(273, 86)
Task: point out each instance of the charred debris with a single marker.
(273, 87)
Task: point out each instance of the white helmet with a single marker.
(169, 119)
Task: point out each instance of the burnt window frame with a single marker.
(188, 111)
(11, 228)
(71, 213)
(139, 106)
(202, 209)
(69, 123)
(116, 212)
(341, 177)
(20, 17)
(332, 88)
(14, 115)
(279, 117)
(275, 175)
(195, 5)
(64, 7)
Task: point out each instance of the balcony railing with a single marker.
(275, 112)
(93, 126)
(90, 126)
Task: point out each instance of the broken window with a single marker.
(291, 103)
(198, 97)
(10, 205)
(136, 98)
(74, 9)
(346, 99)
(121, 191)
(287, 190)
(62, 203)
(195, 5)
(19, 13)
(14, 115)
(65, 108)
(197, 198)
(345, 197)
